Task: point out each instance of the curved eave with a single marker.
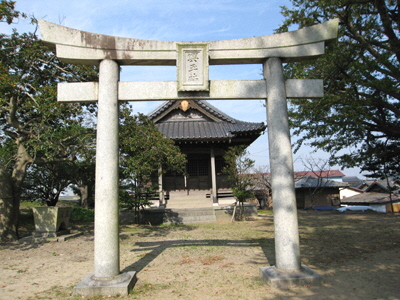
(204, 132)
(76, 46)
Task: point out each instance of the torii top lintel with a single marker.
(80, 47)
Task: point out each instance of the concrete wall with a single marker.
(345, 193)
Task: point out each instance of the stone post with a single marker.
(214, 194)
(106, 242)
(287, 247)
(288, 270)
(107, 279)
(160, 187)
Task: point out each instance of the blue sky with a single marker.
(178, 20)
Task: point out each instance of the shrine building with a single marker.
(203, 133)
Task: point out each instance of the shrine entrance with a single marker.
(192, 60)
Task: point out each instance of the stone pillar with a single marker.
(107, 279)
(288, 269)
(214, 194)
(160, 186)
(106, 243)
(287, 246)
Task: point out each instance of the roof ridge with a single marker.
(211, 108)
(160, 109)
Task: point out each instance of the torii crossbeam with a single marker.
(192, 60)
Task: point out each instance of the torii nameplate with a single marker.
(192, 67)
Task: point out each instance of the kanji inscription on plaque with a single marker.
(192, 67)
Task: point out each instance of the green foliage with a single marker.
(238, 167)
(46, 182)
(34, 128)
(357, 121)
(8, 12)
(136, 197)
(144, 151)
(29, 112)
(83, 176)
(82, 214)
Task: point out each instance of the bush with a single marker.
(82, 214)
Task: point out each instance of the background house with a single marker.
(349, 191)
(335, 175)
(311, 191)
(317, 192)
(381, 202)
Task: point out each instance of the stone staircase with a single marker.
(190, 215)
(195, 199)
(195, 207)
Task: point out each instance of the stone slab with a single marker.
(119, 285)
(50, 234)
(276, 278)
(76, 46)
(168, 90)
(62, 238)
(51, 218)
(192, 66)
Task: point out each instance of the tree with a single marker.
(34, 126)
(6, 205)
(145, 151)
(238, 167)
(46, 182)
(361, 108)
(262, 178)
(83, 177)
(316, 167)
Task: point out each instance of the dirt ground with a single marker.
(358, 255)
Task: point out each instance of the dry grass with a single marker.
(357, 254)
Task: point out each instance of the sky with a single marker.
(179, 20)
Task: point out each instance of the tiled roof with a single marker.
(351, 179)
(324, 174)
(221, 128)
(370, 198)
(313, 182)
(202, 103)
(191, 130)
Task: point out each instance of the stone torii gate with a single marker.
(192, 60)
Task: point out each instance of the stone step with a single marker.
(191, 215)
(189, 203)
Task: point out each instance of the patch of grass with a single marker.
(22, 271)
(146, 288)
(82, 214)
(265, 212)
(31, 204)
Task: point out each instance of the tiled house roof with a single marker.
(198, 120)
(370, 198)
(323, 174)
(313, 182)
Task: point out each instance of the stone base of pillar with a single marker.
(215, 200)
(121, 285)
(276, 278)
